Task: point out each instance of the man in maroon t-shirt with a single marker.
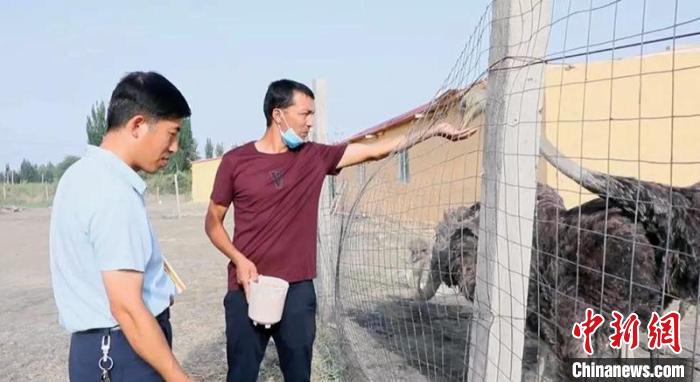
(274, 185)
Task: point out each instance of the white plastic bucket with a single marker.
(267, 297)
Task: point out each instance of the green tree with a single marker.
(96, 125)
(28, 172)
(46, 172)
(63, 166)
(50, 171)
(208, 149)
(186, 152)
(219, 149)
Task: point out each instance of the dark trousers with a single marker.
(85, 352)
(294, 335)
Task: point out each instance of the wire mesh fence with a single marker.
(571, 210)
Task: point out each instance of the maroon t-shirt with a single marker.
(275, 200)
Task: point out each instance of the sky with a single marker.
(378, 58)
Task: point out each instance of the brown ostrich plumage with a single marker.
(582, 257)
(670, 217)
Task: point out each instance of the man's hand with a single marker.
(360, 152)
(214, 227)
(142, 331)
(449, 131)
(246, 272)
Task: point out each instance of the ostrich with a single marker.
(573, 266)
(598, 259)
(419, 259)
(456, 234)
(670, 217)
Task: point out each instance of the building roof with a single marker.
(410, 115)
(449, 96)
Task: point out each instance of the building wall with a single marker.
(203, 174)
(623, 126)
(442, 174)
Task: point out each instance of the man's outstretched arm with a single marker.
(474, 103)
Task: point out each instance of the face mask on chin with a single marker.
(290, 137)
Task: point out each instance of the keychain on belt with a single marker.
(105, 363)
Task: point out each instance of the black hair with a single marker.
(280, 94)
(147, 93)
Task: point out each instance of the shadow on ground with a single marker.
(431, 337)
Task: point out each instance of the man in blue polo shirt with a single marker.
(111, 290)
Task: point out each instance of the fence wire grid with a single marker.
(576, 187)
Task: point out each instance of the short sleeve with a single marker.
(331, 156)
(222, 192)
(120, 236)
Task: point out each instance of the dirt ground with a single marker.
(33, 347)
(414, 340)
(395, 339)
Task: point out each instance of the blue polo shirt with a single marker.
(99, 223)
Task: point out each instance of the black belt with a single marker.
(162, 317)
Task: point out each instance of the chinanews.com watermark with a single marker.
(663, 332)
(630, 369)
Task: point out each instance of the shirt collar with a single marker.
(115, 163)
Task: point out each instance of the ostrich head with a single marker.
(419, 249)
(473, 103)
